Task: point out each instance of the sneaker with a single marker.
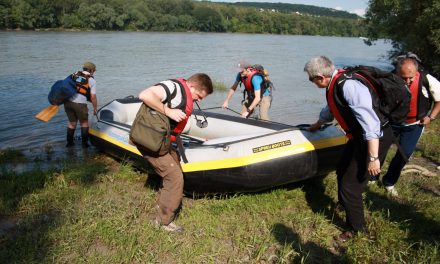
(392, 190)
(172, 227)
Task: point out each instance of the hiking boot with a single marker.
(391, 190)
(69, 137)
(84, 137)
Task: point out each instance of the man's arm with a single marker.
(359, 100)
(94, 103)
(230, 94)
(152, 97)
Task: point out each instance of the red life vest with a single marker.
(187, 108)
(345, 118)
(332, 104)
(420, 104)
(414, 88)
(248, 80)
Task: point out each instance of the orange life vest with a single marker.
(82, 83)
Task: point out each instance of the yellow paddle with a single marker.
(47, 113)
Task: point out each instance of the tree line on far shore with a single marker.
(168, 15)
(409, 25)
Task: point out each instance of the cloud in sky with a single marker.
(359, 12)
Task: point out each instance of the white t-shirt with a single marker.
(172, 87)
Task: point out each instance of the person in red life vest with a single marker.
(76, 106)
(355, 106)
(256, 89)
(183, 93)
(424, 108)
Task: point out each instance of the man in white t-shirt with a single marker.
(180, 94)
(76, 107)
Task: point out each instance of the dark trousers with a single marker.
(408, 137)
(352, 175)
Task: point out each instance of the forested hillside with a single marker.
(303, 9)
(168, 15)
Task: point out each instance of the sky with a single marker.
(353, 6)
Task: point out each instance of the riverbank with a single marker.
(97, 210)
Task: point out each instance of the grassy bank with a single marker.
(98, 212)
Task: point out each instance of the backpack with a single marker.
(62, 90)
(81, 80)
(393, 92)
(267, 83)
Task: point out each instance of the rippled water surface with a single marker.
(30, 62)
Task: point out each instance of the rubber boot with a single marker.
(85, 137)
(70, 133)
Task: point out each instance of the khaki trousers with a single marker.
(263, 107)
(171, 191)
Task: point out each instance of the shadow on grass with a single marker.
(23, 235)
(420, 228)
(319, 202)
(308, 252)
(28, 241)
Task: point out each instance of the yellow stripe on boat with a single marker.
(115, 142)
(238, 161)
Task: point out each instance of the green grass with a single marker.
(429, 144)
(219, 86)
(98, 212)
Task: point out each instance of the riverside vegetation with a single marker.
(97, 211)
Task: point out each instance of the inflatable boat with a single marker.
(226, 153)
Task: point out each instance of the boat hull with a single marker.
(275, 154)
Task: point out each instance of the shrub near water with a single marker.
(98, 212)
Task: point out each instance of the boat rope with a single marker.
(412, 168)
(300, 126)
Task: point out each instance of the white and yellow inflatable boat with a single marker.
(230, 153)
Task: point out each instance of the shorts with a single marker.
(76, 111)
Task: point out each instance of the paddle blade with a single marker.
(47, 113)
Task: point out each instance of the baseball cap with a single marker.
(89, 66)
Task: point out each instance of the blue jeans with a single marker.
(408, 137)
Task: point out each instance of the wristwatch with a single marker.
(371, 158)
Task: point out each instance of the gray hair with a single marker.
(319, 65)
(402, 62)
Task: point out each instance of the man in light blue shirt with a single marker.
(353, 104)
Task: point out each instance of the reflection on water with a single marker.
(127, 62)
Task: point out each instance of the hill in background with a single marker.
(298, 8)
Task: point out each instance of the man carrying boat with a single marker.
(352, 103)
(173, 98)
(257, 89)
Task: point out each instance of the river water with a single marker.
(127, 62)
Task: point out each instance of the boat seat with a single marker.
(106, 115)
(109, 115)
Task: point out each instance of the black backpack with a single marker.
(393, 92)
